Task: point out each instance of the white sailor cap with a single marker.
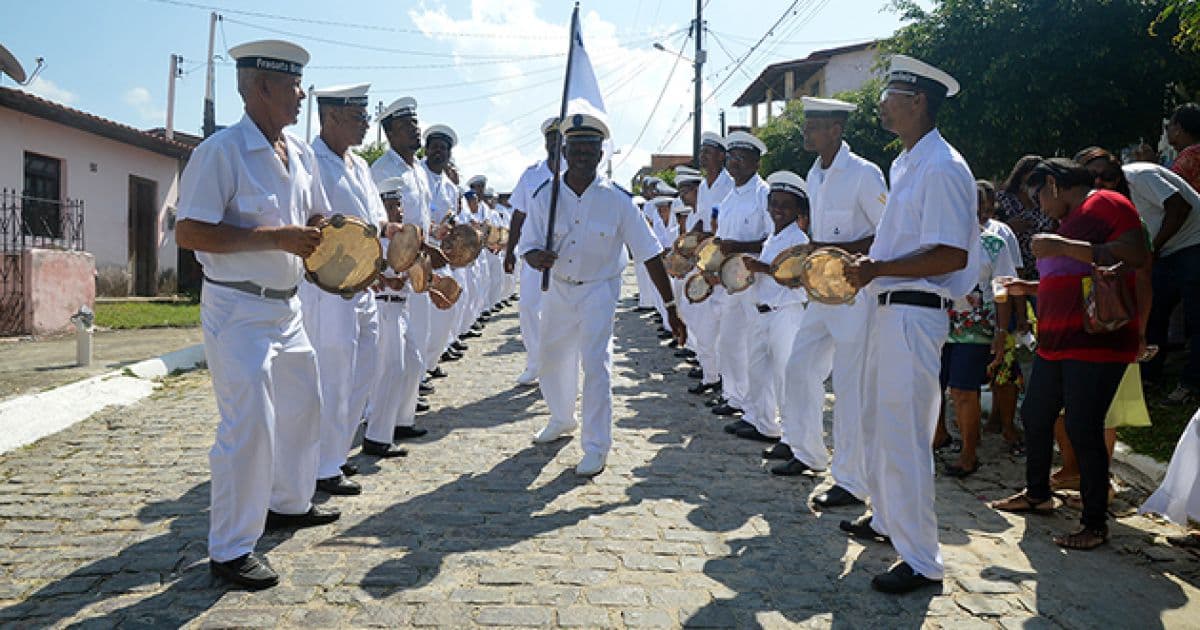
(826, 107)
(905, 69)
(441, 130)
(683, 169)
(477, 180)
(788, 181)
(271, 54)
(403, 107)
(681, 208)
(584, 127)
(682, 179)
(743, 140)
(711, 139)
(664, 188)
(390, 186)
(661, 200)
(343, 95)
(489, 192)
(550, 124)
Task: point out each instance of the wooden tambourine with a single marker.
(462, 245)
(677, 266)
(404, 247)
(697, 288)
(688, 242)
(348, 259)
(444, 291)
(788, 267)
(709, 256)
(735, 275)
(823, 275)
(420, 273)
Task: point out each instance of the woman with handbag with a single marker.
(1087, 334)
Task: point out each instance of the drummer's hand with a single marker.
(510, 262)
(678, 329)
(541, 259)
(726, 247)
(441, 231)
(861, 271)
(711, 278)
(390, 229)
(297, 239)
(757, 266)
(318, 221)
(437, 258)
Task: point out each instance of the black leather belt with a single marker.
(399, 299)
(254, 289)
(763, 308)
(914, 298)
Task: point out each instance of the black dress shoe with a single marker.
(349, 469)
(382, 449)
(901, 579)
(422, 405)
(751, 433)
(473, 332)
(695, 373)
(437, 372)
(248, 571)
(702, 388)
(726, 410)
(733, 427)
(313, 517)
(674, 343)
(459, 345)
(790, 468)
(665, 335)
(660, 331)
(685, 353)
(450, 356)
(836, 496)
(692, 361)
(861, 528)
(339, 485)
(426, 388)
(715, 402)
(779, 451)
(404, 433)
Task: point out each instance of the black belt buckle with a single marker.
(914, 298)
(255, 289)
(397, 299)
(763, 308)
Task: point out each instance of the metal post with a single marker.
(169, 130)
(699, 63)
(378, 123)
(210, 112)
(308, 116)
(722, 117)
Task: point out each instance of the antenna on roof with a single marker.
(13, 68)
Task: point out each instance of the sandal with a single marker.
(958, 472)
(1021, 503)
(1085, 539)
(1064, 483)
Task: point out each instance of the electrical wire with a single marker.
(657, 102)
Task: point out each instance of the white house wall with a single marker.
(848, 71)
(104, 191)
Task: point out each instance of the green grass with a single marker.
(1159, 439)
(130, 315)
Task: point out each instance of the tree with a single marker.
(1187, 13)
(1048, 76)
(371, 152)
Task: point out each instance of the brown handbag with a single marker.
(1108, 302)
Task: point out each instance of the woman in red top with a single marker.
(1075, 371)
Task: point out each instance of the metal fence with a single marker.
(27, 222)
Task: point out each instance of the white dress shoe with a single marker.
(591, 464)
(528, 377)
(552, 433)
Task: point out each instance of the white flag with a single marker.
(583, 93)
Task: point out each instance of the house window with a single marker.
(40, 209)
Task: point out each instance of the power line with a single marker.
(657, 102)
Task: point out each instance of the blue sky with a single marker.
(492, 69)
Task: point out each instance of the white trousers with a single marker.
(420, 326)
(831, 338)
(529, 310)
(394, 390)
(703, 320)
(481, 282)
(770, 339)
(646, 290)
(264, 375)
(441, 327)
(901, 396)
(733, 344)
(577, 327)
(345, 335)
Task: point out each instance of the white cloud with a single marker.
(147, 109)
(48, 90)
(630, 72)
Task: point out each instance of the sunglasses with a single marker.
(891, 90)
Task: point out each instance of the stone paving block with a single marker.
(442, 614)
(584, 617)
(616, 596)
(480, 595)
(647, 619)
(515, 616)
(983, 605)
(505, 576)
(581, 577)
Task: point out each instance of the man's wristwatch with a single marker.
(669, 304)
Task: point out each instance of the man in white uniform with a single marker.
(779, 312)
(687, 179)
(645, 286)
(594, 220)
(244, 201)
(345, 333)
(925, 254)
(715, 186)
(400, 124)
(743, 224)
(439, 143)
(529, 304)
(847, 194)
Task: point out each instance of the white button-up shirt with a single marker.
(348, 185)
(589, 231)
(415, 192)
(767, 290)
(933, 202)
(528, 183)
(708, 197)
(443, 195)
(742, 215)
(235, 178)
(666, 233)
(846, 199)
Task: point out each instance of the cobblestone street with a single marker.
(104, 525)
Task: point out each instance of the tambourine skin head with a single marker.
(824, 276)
(708, 256)
(347, 260)
(735, 276)
(404, 247)
(697, 288)
(788, 266)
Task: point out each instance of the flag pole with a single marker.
(555, 168)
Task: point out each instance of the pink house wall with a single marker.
(57, 283)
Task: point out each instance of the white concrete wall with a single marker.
(846, 72)
(105, 192)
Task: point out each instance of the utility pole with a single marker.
(210, 112)
(699, 63)
(378, 123)
(169, 130)
(722, 116)
(308, 122)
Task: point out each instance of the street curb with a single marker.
(1153, 470)
(27, 419)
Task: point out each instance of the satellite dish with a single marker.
(10, 66)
